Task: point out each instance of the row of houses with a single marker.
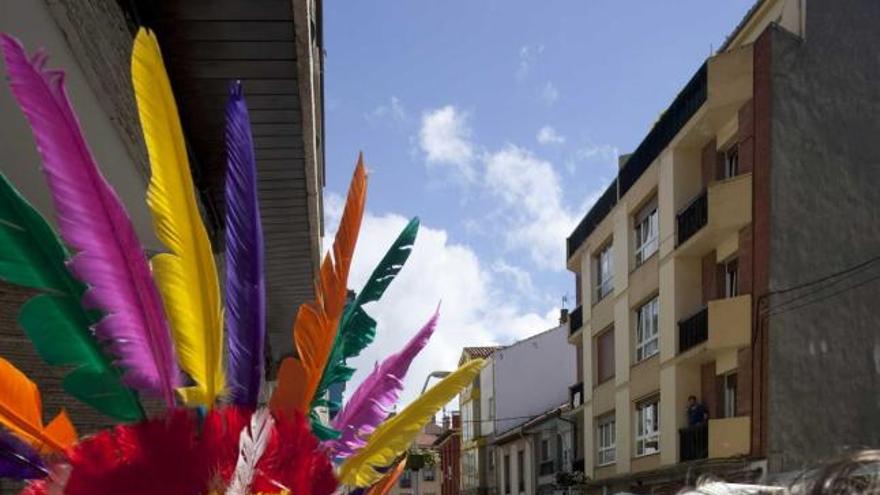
(726, 284)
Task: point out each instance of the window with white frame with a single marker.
(731, 162)
(604, 272)
(730, 395)
(607, 440)
(648, 427)
(647, 232)
(647, 329)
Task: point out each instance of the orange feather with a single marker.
(316, 322)
(387, 483)
(21, 411)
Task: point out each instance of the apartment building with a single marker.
(534, 454)
(727, 261)
(477, 421)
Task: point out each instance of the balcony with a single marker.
(730, 437)
(692, 218)
(714, 215)
(576, 395)
(693, 443)
(730, 321)
(693, 330)
(575, 320)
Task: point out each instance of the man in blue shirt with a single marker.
(697, 414)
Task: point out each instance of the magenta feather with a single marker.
(372, 401)
(93, 221)
(245, 283)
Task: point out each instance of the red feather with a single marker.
(169, 455)
(292, 460)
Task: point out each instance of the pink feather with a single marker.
(372, 401)
(93, 221)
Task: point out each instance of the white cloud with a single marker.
(528, 56)
(393, 111)
(548, 135)
(601, 158)
(445, 140)
(474, 309)
(521, 279)
(549, 93)
(530, 189)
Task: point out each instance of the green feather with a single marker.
(32, 255)
(356, 328)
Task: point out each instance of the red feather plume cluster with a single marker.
(175, 454)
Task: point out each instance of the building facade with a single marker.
(533, 455)
(475, 418)
(727, 262)
(422, 476)
(448, 443)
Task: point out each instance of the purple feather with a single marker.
(93, 221)
(372, 401)
(18, 460)
(245, 284)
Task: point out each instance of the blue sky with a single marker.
(497, 123)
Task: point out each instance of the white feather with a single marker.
(251, 445)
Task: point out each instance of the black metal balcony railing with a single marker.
(575, 320)
(693, 442)
(693, 330)
(576, 395)
(599, 211)
(685, 105)
(693, 218)
(547, 468)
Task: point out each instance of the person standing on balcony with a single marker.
(697, 414)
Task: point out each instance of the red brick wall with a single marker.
(709, 163)
(710, 278)
(709, 389)
(761, 235)
(746, 137)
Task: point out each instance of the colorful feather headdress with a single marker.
(127, 326)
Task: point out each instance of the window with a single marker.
(606, 434)
(560, 458)
(605, 356)
(647, 330)
(521, 470)
(545, 449)
(648, 427)
(730, 395)
(467, 422)
(428, 474)
(731, 288)
(507, 474)
(604, 272)
(647, 233)
(731, 162)
(406, 479)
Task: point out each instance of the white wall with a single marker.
(32, 23)
(511, 449)
(532, 376)
(487, 395)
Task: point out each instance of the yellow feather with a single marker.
(187, 276)
(393, 436)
